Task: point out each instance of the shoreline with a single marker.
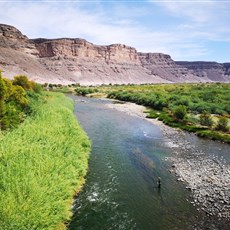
(207, 178)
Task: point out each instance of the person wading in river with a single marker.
(159, 182)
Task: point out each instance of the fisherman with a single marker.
(159, 182)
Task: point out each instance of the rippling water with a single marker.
(121, 189)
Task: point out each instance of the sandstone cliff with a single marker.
(211, 70)
(68, 60)
(162, 65)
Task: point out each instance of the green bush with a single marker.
(222, 124)
(84, 91)
(180, 112)
(22, 81)
(206, 119)
(15, 100)
(152, 114)
(37, 88)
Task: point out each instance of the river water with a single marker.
(121, 190)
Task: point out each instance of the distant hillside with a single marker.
(68, 60)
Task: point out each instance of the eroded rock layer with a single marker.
(68, 61)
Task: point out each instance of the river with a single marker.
(121, 190)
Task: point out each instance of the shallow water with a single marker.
(121, 190)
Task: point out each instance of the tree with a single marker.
(180, 112)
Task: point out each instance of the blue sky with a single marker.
(187, 30)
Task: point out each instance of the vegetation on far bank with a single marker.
(42, 162)
(202, 108)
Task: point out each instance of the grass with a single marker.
(42, 166)
(214, 135)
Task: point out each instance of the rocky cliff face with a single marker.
(18, 55)
(84, 62)
(68, 61)
(66, 47)
(11, 37)
(162, 65)
(212, 70)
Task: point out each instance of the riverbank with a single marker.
(207, 178)
(43, 164)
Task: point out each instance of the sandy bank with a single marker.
(207, 178)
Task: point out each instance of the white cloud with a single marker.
(98, 25)
(206, 15)
(197, 11)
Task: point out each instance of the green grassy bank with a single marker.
(42, 165)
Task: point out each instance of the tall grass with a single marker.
(42, 165)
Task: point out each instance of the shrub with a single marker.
(152, 114)
(2, 87)
(15, 100)
(85, 91)
(160, 104)
(180, 112)
(37, 88)
(22, 81)
(200, 107)
(222, 124)
(206, 119)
